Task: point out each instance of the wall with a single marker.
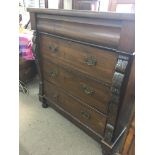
(68, 4)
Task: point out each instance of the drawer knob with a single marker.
(87, 89)
(90, 61)
(54, 72)
(56, 97)
(53, 48)
(85, 114)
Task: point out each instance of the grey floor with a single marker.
(46, 132)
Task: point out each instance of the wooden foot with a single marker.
(44, 103)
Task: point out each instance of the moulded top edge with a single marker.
(84, 14)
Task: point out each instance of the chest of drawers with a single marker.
(86, 66)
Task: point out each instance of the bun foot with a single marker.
(44, 105)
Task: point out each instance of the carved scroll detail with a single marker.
(34, 40)
(121, 63)
(109, 131)
(117, 81)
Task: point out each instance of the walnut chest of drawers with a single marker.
(86, 65)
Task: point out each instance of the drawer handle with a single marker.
(85, 115)
(87, 89)
(53, 48)
(90, 61)
(54, 72)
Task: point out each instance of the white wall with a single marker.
(68, 4)
(53, 4)
(104, 5)
(125, 8)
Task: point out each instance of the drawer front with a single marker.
(91, 61)
(83, 113)
(89, 91)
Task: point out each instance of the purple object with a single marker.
(25, 46)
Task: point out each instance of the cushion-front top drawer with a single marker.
(87, 90)
(91, 61)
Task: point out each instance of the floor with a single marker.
(46, 132)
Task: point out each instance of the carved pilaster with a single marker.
(37, 61)
(117, 81)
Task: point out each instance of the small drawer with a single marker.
(94, 62)
(87, 90)
(86, 115)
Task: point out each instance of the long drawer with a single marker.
(94, 62)
(87, 90)
(85, 114)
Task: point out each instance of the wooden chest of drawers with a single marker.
(85, 61)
